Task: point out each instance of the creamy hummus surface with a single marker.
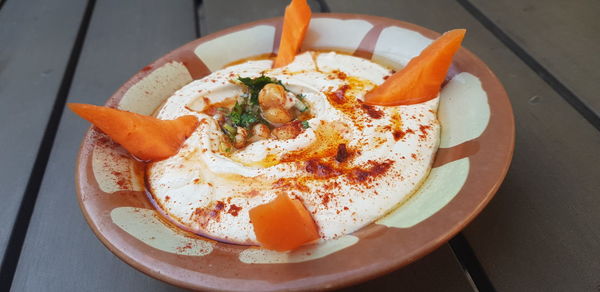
(351, 164)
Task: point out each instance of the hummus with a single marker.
(351, 164)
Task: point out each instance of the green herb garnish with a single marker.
(256, 84)
(300, 104)
(305, 124)
(229, 130)
(247, 112)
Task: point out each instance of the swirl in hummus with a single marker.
(348, 163)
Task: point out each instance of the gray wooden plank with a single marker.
(60, 252)
(561, 35)
(29, 82)
(541, 231)
(440, 265)
(217, 15)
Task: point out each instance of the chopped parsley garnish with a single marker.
(229, 130)
(247, 112)
(256, 84)
(305, 124)
(300, 104)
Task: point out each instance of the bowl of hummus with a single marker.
(385, 185)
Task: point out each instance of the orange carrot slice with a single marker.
(145, 137)
(295, 23)
(422, 77)
(283, 224)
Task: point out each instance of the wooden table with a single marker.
(540, 233)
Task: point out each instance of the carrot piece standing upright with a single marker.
(422, 77)
(295, 23)
(145, 137)
(283, 224)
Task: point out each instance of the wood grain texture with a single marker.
(561, 35)
(540, 232)
(36, 39)
(216, 15)
(60, 252)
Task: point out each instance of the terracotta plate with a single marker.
(476, 148)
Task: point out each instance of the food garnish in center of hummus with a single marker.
(266, 108)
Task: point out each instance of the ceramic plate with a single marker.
(476, 147)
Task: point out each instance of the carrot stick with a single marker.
(295, 23)
(422, 77)
(283, 224)
(145, 137)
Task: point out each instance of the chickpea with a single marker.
(272, 95)
(240, 138)
(277, 115)
(287, 131)
(261, 131)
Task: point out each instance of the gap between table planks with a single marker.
(540, 232)
(37, 40)
(60, 252)
(562, 36)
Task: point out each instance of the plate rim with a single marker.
(340, 281)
